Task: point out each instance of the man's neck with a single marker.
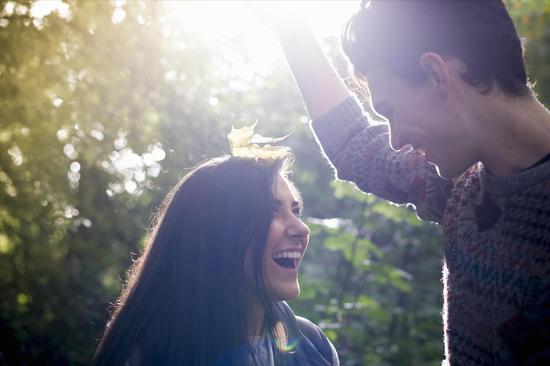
(513, 133)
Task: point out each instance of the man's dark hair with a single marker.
(394, 34)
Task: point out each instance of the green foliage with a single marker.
(533, 23)
(367, 289)
(98, 119)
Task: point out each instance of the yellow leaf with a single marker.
(247, 144)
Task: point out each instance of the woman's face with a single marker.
(286, 243)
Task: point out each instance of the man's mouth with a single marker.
(421, 151)
(418, 148)
(288, 259)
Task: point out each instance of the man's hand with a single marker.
(279, 17)
(320, 86)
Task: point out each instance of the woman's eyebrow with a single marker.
(278, 203)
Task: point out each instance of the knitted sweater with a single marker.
(496, 270)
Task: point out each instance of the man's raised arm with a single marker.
(358, 149)
(321, 87)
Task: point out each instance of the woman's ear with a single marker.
(436, 69)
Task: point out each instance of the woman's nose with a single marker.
(299, 229)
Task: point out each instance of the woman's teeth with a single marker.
(288, 254)
(287, 259)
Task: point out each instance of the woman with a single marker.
(210, 286)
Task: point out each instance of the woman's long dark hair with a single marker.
(186, 302)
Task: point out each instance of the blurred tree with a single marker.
(102, 109)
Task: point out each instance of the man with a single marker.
(470, 148)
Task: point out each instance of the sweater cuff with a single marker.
(337, 119)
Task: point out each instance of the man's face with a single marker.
(424, 118)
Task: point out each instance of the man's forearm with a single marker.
(321, 87)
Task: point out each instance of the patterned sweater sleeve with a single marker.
(360, 152)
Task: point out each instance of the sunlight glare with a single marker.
(42, 8)
(216, 20)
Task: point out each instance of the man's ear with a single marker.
(436, 69)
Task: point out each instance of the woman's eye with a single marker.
(297, 212)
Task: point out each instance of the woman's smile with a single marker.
(288, 259)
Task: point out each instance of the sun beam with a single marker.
(214, 20)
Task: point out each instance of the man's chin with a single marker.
(447, 172)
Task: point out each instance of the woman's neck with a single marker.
(256, 320)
